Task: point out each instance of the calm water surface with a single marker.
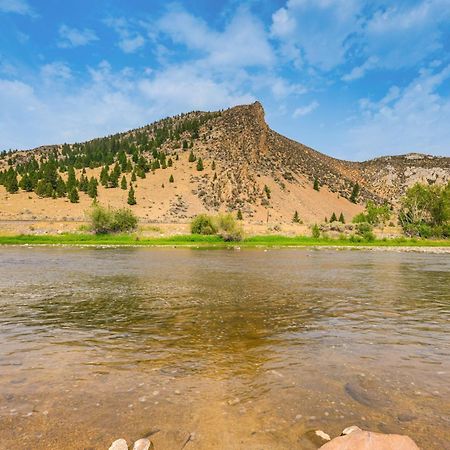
(221, 349)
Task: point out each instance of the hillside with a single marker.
(246, 166)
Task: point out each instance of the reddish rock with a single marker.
(367, 440)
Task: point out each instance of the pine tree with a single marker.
(213, 165)
(355, 193)
(341, 218)
(25, 183)
(12, 186)
(104, 176)
(170, 162)
(123, 183)
(171, 179)
(316, 184)
(61, 189)
(215, 176)
(267, 191)
(192, 157)
(131, 198)
(296, 218)
(73, 195)
(133, 176)
(71, 179)
(239, 215)
(199, 164)
(92, 188)
(333, 217)
(40, 188)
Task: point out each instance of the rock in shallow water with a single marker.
(120, 444)
(366, 440)
(142, 444)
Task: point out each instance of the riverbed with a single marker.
(222, 349)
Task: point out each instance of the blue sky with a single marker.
(355, 79)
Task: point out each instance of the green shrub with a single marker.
(224, 225)
(228, 228)
(109, 220)
(363, 227)
(315, 231)
(203, 224)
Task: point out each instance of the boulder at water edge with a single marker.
(367, 440)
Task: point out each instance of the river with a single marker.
(221, 349)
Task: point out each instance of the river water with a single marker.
(221, 349)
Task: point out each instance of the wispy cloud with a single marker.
(17, 7)
(305, 110)
(410, 119)
(130, 40)
(74, 37)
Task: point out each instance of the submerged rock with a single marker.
(142, 444)
(119, 444)
(358, 439)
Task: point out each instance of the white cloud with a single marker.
(316, 29)
(359, 71)
(305, 110)
(16, 6)
(58, 108)
(55, 71)
(73, 37)
(242, 43)
(130, 45)
(402, 35)
(413, 119)
(129, 40)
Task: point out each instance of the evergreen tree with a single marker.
(131, 197)
(333, 217)
(123, 183)
(267, 191)
(12, 186)
(316, 184)
(177, 157)
(40, 188)
(92, 188)
(171, 179)
(296, 218)
(104, 176)
(25, 183)
(73, 195)
(192, 157)
(213, 165)
(341, 218)
(355, 193)
(239, 215)
(133, 176)
(170, 162)
(215, 176)
(71, 179)
(61, 189)
(199, 164)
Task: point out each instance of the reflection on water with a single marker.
(245, 349)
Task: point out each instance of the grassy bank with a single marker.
(209, 241)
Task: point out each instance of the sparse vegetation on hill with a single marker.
(228, 160)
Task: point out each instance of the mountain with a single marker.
(246, 166)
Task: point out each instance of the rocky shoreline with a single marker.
(351, 438)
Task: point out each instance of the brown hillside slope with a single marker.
(248, 156)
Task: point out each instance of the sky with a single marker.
(355, 79)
